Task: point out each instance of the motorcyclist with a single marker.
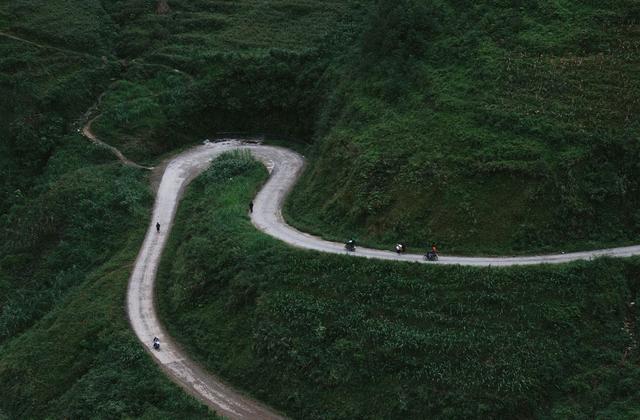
(400, 248)
(433, 254)
(350, 245)
(156, 343)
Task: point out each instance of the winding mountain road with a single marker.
(285, 167)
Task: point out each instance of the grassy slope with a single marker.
(487, 128)
(249, 61)
(67, 215)
(71, 222)
(491, 106)
(324, 336)
(66, 349)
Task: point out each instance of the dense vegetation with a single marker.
(487, 127)
(71, 222)
(325, 336)
(66, 249)
(72, 218)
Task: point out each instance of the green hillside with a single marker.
(71, 222)
(323, 336)
(71, 217)
(487, 127)
(484, 127)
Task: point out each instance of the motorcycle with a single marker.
(400, 248)
(350, 246)
(156, 344)
(431, 256)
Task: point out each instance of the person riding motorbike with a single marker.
(433, 254)
(400, 248)
(156, 343)
(350, 245)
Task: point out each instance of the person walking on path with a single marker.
(158, 227)
(251, 207)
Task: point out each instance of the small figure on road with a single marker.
(158, 227)
(251, 207)
(433, 254)
(400, 248)
(350, 245)
(156, 343)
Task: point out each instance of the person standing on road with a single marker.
(158, 227)
(251, 207)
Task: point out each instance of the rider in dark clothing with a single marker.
(251, 207)
(158, 226)
(433, 254)
(351, 245)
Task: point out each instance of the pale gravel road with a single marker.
(285, 167)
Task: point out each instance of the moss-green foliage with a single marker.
(485, 127)
(256, 67)
(84, 26)
(81, 360)
(323, 336)
(78, 25)
(71, 222)
(436, 119)
(44, 92)
(195, 28)
(134, 114)
(66, 349)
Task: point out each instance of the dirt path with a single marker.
(135, 61)
(43, 46)
(86, 131)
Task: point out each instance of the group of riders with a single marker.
(350, 245)
(400, 248)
